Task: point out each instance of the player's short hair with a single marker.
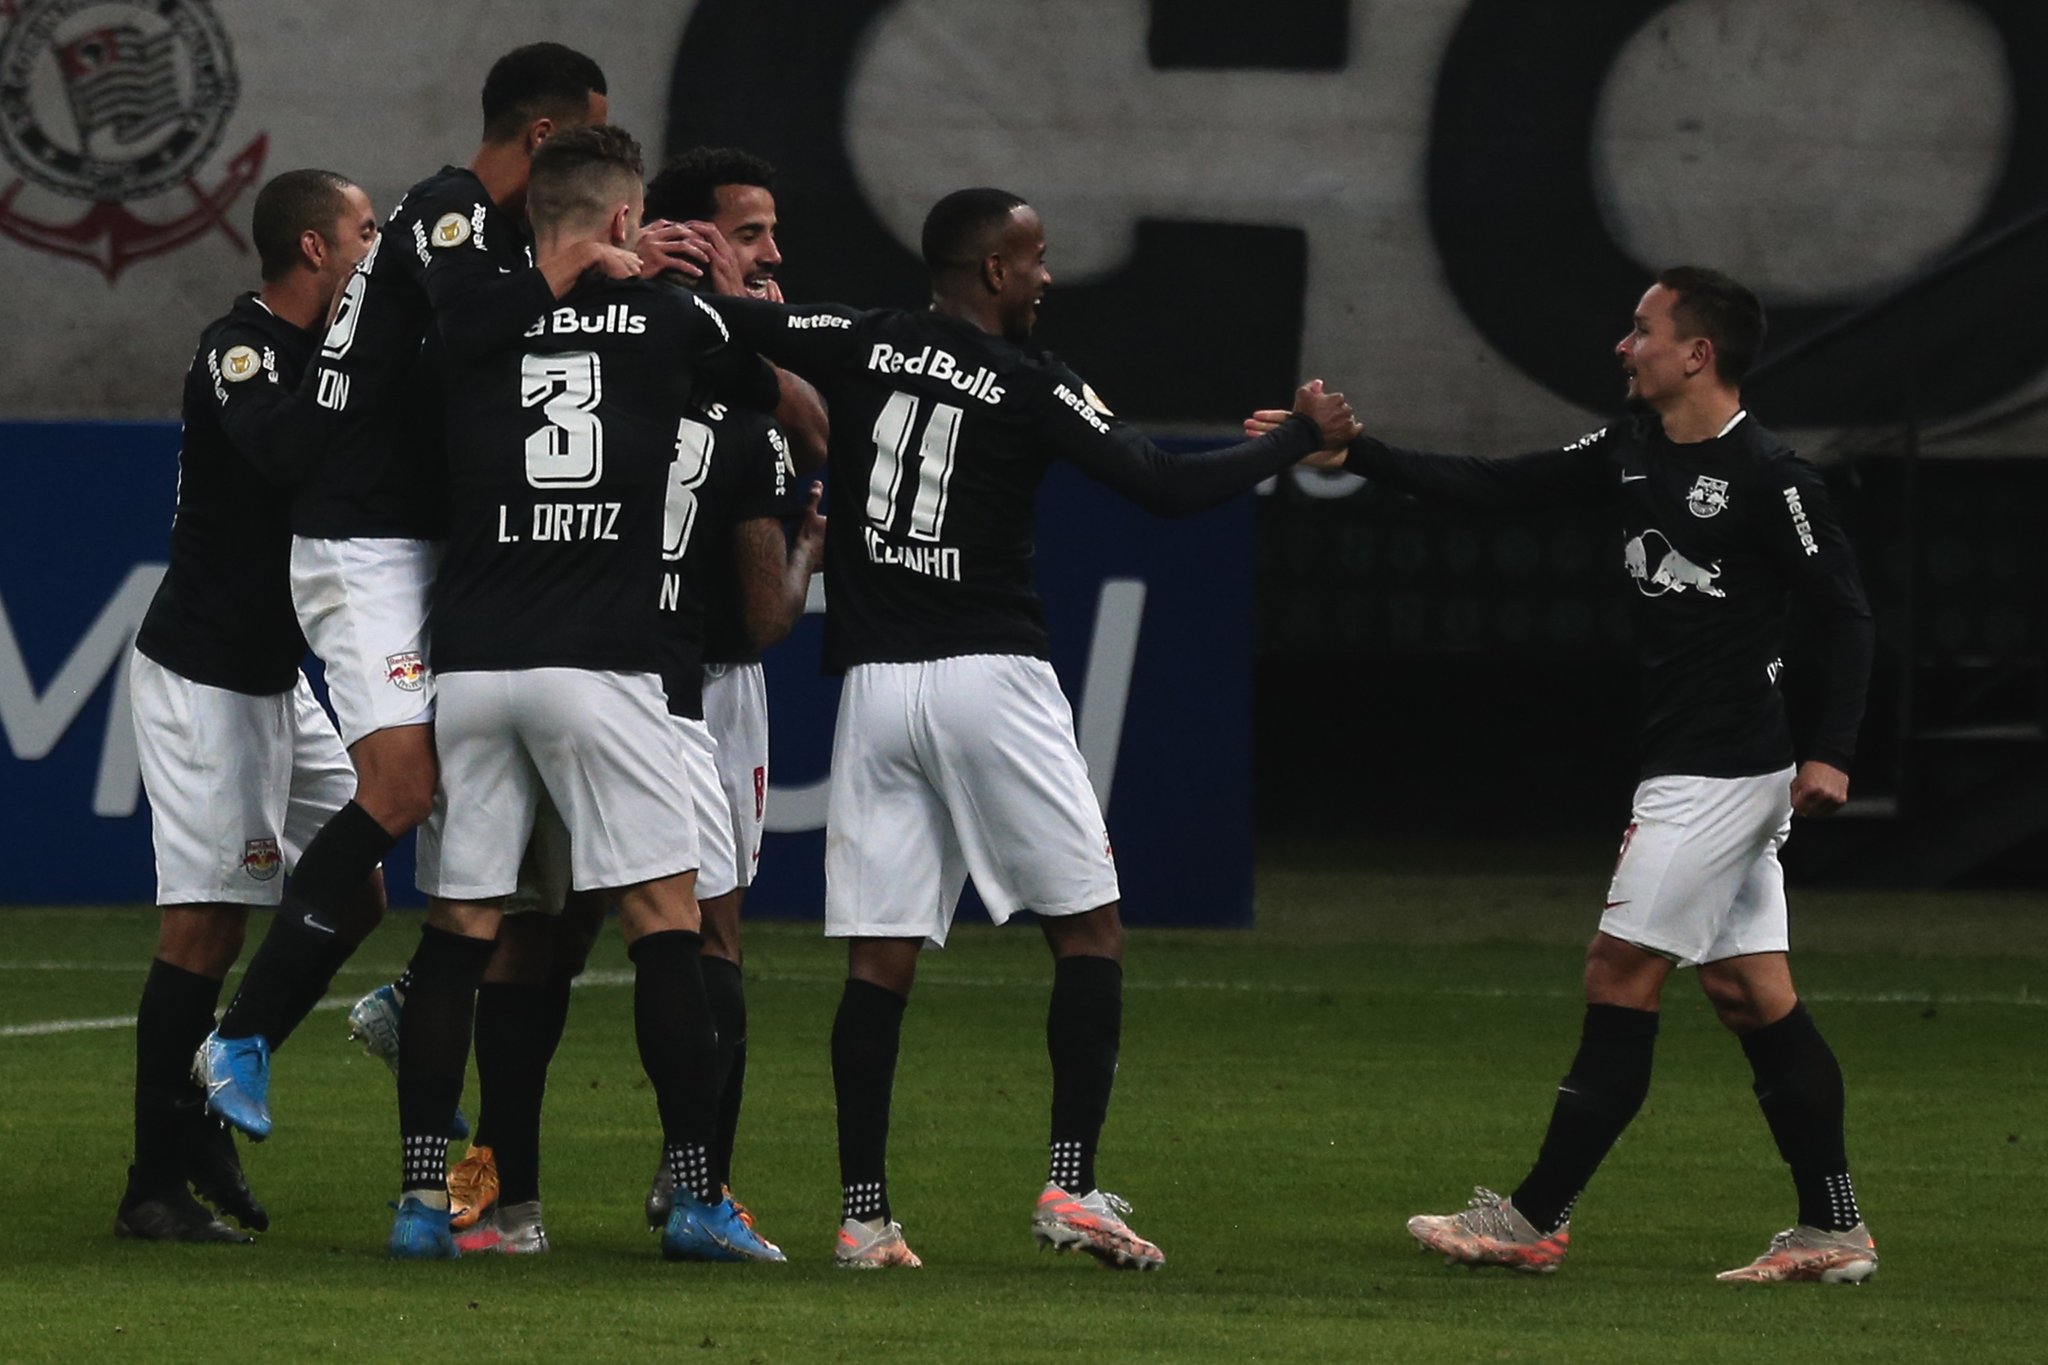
(540, 80)
(958, 225)
(687, 187)
(1721, 309)
(577, 175)
(292, 203)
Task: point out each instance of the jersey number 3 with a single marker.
(934, 465)
(568, 450)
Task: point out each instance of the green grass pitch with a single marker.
(1387, 1037)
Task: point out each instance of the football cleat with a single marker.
(374, 1021)
(1092, 1223)
(1490, 1232)
(712, 1232)
(215, 1169)
(508, 1229)
(873, 1245)
(1808, 1253)
(472, 1186)
(172, 1216)
(419, 1233)
(235, 1074)
(660, 1195)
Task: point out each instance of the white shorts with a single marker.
(1699, 878)
(957, 767)
(736, 709)
(601, 746)
(237, 784)
(708, 805)
(363, 607)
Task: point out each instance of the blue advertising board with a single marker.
(1152, 638)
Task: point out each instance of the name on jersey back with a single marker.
(562, 521)
(617, 318)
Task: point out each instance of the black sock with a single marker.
(322, 906)
(679, 1051)
(1595, 1101)
(173, 1019)
(1799, 1086)
(865, 1035)
(433, 1049)
(729, 1011)
(1083, 1026)
(518, 1027)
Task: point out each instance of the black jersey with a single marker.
(732, 465)
(447, 254)
(1716, 536)
(941, 434)
(561, 448)
(223, 613)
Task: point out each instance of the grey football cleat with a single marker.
(1814, 1255)
(1491, 1231)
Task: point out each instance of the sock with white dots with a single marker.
(1799, 1086)
(679, 1051)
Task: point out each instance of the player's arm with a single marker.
(809, 339)
(272, 426)
(1072, 425)
(479, 306)
(1558, 477)
(775, 570)
(1805, 538)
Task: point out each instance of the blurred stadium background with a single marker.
(1444, 207)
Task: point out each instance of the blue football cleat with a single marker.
(697, 1231)
(235, 1074)
(374, 1022)
(419, 1233)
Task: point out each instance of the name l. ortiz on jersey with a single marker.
(1672, 572)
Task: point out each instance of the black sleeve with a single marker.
(1071, 427)
(479, 305)
(1804, 538)
(809, 340)
(1567, 476)
(726, 363)
(269, 424)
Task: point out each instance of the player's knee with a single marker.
(722, 926)
(1097, 933)
(1619, 973)
(204, 940)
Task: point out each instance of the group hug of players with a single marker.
(525, 469)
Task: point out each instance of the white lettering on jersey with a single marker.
(807, 321)
(932, 561)
(571, 521)
(1800, 523)
(934, 363)
(1081, 406)
(1587, 439)
(618, 319)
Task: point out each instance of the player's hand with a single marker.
(771, 291)
(810, 530)
(722, 273)
(1264, 422)
(614, 262)
(664, 246)
(1331, 412)
(1819, 789)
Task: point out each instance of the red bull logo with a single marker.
(1671, 571)
(407, 672)
(261, 859)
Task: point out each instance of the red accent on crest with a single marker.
(110, 238)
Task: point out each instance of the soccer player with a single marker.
(1723, 525)
(955, 751)
(240, 763)
(751, 590)
(564, 447)
(367, 528)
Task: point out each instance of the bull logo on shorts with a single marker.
(261, 859)
(1671, 571)
(407, 672)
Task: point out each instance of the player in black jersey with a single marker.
(563, 451)
(1722, 524)
(752, 586)
(955, 752)
(240, 763)
(451, 270)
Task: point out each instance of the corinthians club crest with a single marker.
(117, 104)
